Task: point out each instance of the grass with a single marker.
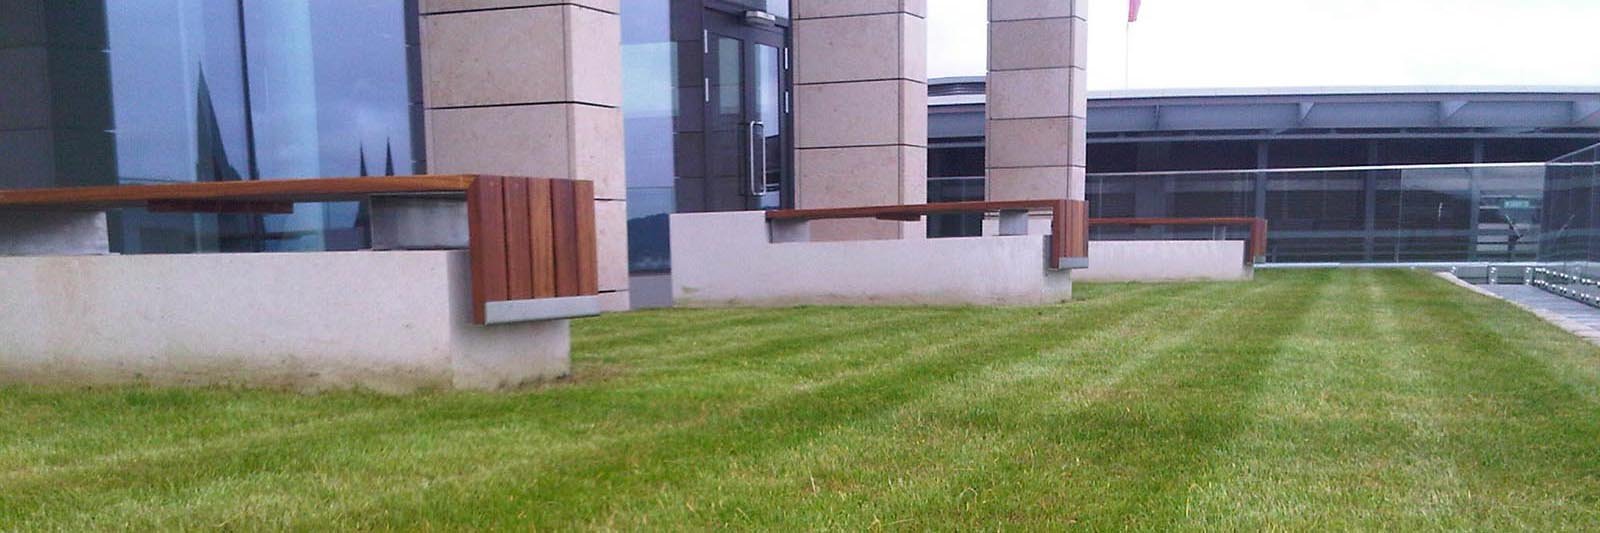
(1304, 400)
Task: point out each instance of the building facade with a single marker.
(1341, 174)
(158, 91)
(712, 105)
(704, 94)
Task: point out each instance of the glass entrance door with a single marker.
(747, 112)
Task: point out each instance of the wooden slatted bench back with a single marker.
(529, 238)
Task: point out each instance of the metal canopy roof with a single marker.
(956, 106)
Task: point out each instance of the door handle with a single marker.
(757, 180)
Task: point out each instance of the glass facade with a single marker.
(1571, 198)
(1358, 214)
(955, 189)
(963, 156)
(226, 90)
(650, 110)
(1569, 255)
(705, 114)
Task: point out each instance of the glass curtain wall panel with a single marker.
(1571, 240)
(955, 190)
(779, 8)
(331, 94)
(230, 90)
(705, 114)
(1316, 216)
(654, 126)
(178, 95)
(1424, 214)
(1185, 194)
(1510, 222)
(1357, 214)
(1571, 227)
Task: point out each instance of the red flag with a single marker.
(1133, 10)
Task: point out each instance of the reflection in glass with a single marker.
(955, 224)
(769, 103)
(649, 110)
(729, 81)
(778, 8)
(1571, 197)
(178, 101)
(648, 209)
(329, 81)
(203, 90)
(1447, 213)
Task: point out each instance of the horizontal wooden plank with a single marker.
(1069, 234)
(907, 211)
(1173, 221)
(269, 207)
(283, 190)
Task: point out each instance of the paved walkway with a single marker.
(1544, 301)
(1578, 319)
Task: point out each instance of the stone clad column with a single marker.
(532, 88)
(1037, 99)
(861, 111)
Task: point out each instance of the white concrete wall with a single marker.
(387, 321)
(1165, 261)
(726, 259)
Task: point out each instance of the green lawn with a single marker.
(1304, 400)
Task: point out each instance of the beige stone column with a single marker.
(1037, 99)
(861, 111)
(532, 88)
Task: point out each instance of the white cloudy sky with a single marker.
(1276, 43)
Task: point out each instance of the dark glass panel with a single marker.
(1316, 153)
(171, 91)
(650, 70)
(1109, 157)
(178, 97)
(1421, 151)
(1212, 195)
(955, 224)
(1217, 155)
(1530, 150)
(1316, 216)
(330, 96)
(955, 162)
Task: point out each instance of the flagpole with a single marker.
(1127, 45)
(1127, 56)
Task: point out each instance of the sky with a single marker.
(1293, 43)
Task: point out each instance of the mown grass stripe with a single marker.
(1303, 400)
(789, 419)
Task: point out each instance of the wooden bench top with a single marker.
(530, 239)
(279, 190)
(912, 211)
(1069, 234)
